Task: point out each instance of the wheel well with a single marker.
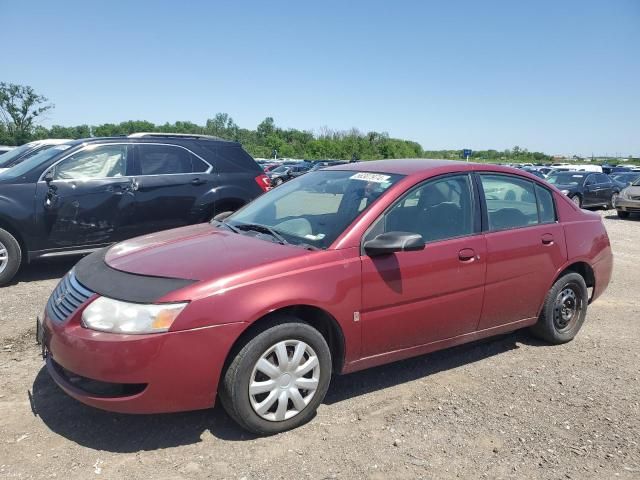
(23, 247)
(584, 270)
(314, 316)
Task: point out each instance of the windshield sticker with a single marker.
(370, 177)
(577, 176)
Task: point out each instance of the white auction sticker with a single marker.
(370, 177)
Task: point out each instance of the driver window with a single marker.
(103, 161)
(438, 210)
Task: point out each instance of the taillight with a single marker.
(264, 182)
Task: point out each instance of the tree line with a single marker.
(21, 109)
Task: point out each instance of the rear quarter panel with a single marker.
(587, 241)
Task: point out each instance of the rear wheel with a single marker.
(277, 182)
(622, 214)
(10, 257)
(564, 310)
(278, 379)
(612, 202)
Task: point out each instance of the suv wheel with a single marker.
(577, 200)
(278, 379)
(10, 257)
(564, 310)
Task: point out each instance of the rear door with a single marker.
(170, 180)
(86, 198)
(525, 248)
(605, 188)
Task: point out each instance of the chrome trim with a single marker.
(98, 144)
(66, 253)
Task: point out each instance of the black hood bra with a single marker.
(94, 273)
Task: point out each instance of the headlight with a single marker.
(564, 192)
(108, 315)
(625, 193)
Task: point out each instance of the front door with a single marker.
(171, 188)
(415, 298)
(86, 197)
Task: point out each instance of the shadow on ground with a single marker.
(131, 433)
(45, 270)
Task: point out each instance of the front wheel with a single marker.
(10, 257)
(278, 379)
(577, 200)
(564, 310)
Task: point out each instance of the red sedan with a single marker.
(339, 270)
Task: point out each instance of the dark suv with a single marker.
(85, 194)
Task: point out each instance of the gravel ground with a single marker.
(509, 407)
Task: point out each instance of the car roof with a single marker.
(423, 166)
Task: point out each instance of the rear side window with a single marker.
(602, 178)
(511, 202)
(231, 158)
(546, 207)
(167, 160)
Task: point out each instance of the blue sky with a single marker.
(556, 76)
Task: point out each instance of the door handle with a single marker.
(467, 255)
(547, 239)
(198, 181)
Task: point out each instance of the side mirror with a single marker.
(391, 242)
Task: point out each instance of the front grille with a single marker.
(67, 297)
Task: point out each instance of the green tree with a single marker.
(20, 107)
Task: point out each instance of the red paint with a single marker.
(410, 303)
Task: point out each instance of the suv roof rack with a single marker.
(175, 135)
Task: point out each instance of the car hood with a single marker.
(200, 252)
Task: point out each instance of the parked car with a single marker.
(20, 154)
(261, 309)
(624, 179)
(284, 173)
(628, 201)
(534, 171)
(5, 148)
(609, 169)
(586, 189)
(320, 165)
(83, 195)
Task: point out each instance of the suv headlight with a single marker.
(108, 315)
(564, 192)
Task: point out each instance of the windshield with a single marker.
(316, 208)
(7, 159)
(636, 183)
(39, 158)
(281, 169)
(566, 178)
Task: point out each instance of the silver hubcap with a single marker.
(576, 200)
(4, 257)
(284, 380)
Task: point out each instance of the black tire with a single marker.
(612, 200)
(552, 325)
(577, 200)
(12, 258)
(277, 182)
(234, 386)
(622, 214)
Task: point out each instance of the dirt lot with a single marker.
(510, 407)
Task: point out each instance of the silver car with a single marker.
(628, 201)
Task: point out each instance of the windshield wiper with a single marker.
(228, 225)
(263, 229)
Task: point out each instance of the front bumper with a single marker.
(165, 372)
(627, 205)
